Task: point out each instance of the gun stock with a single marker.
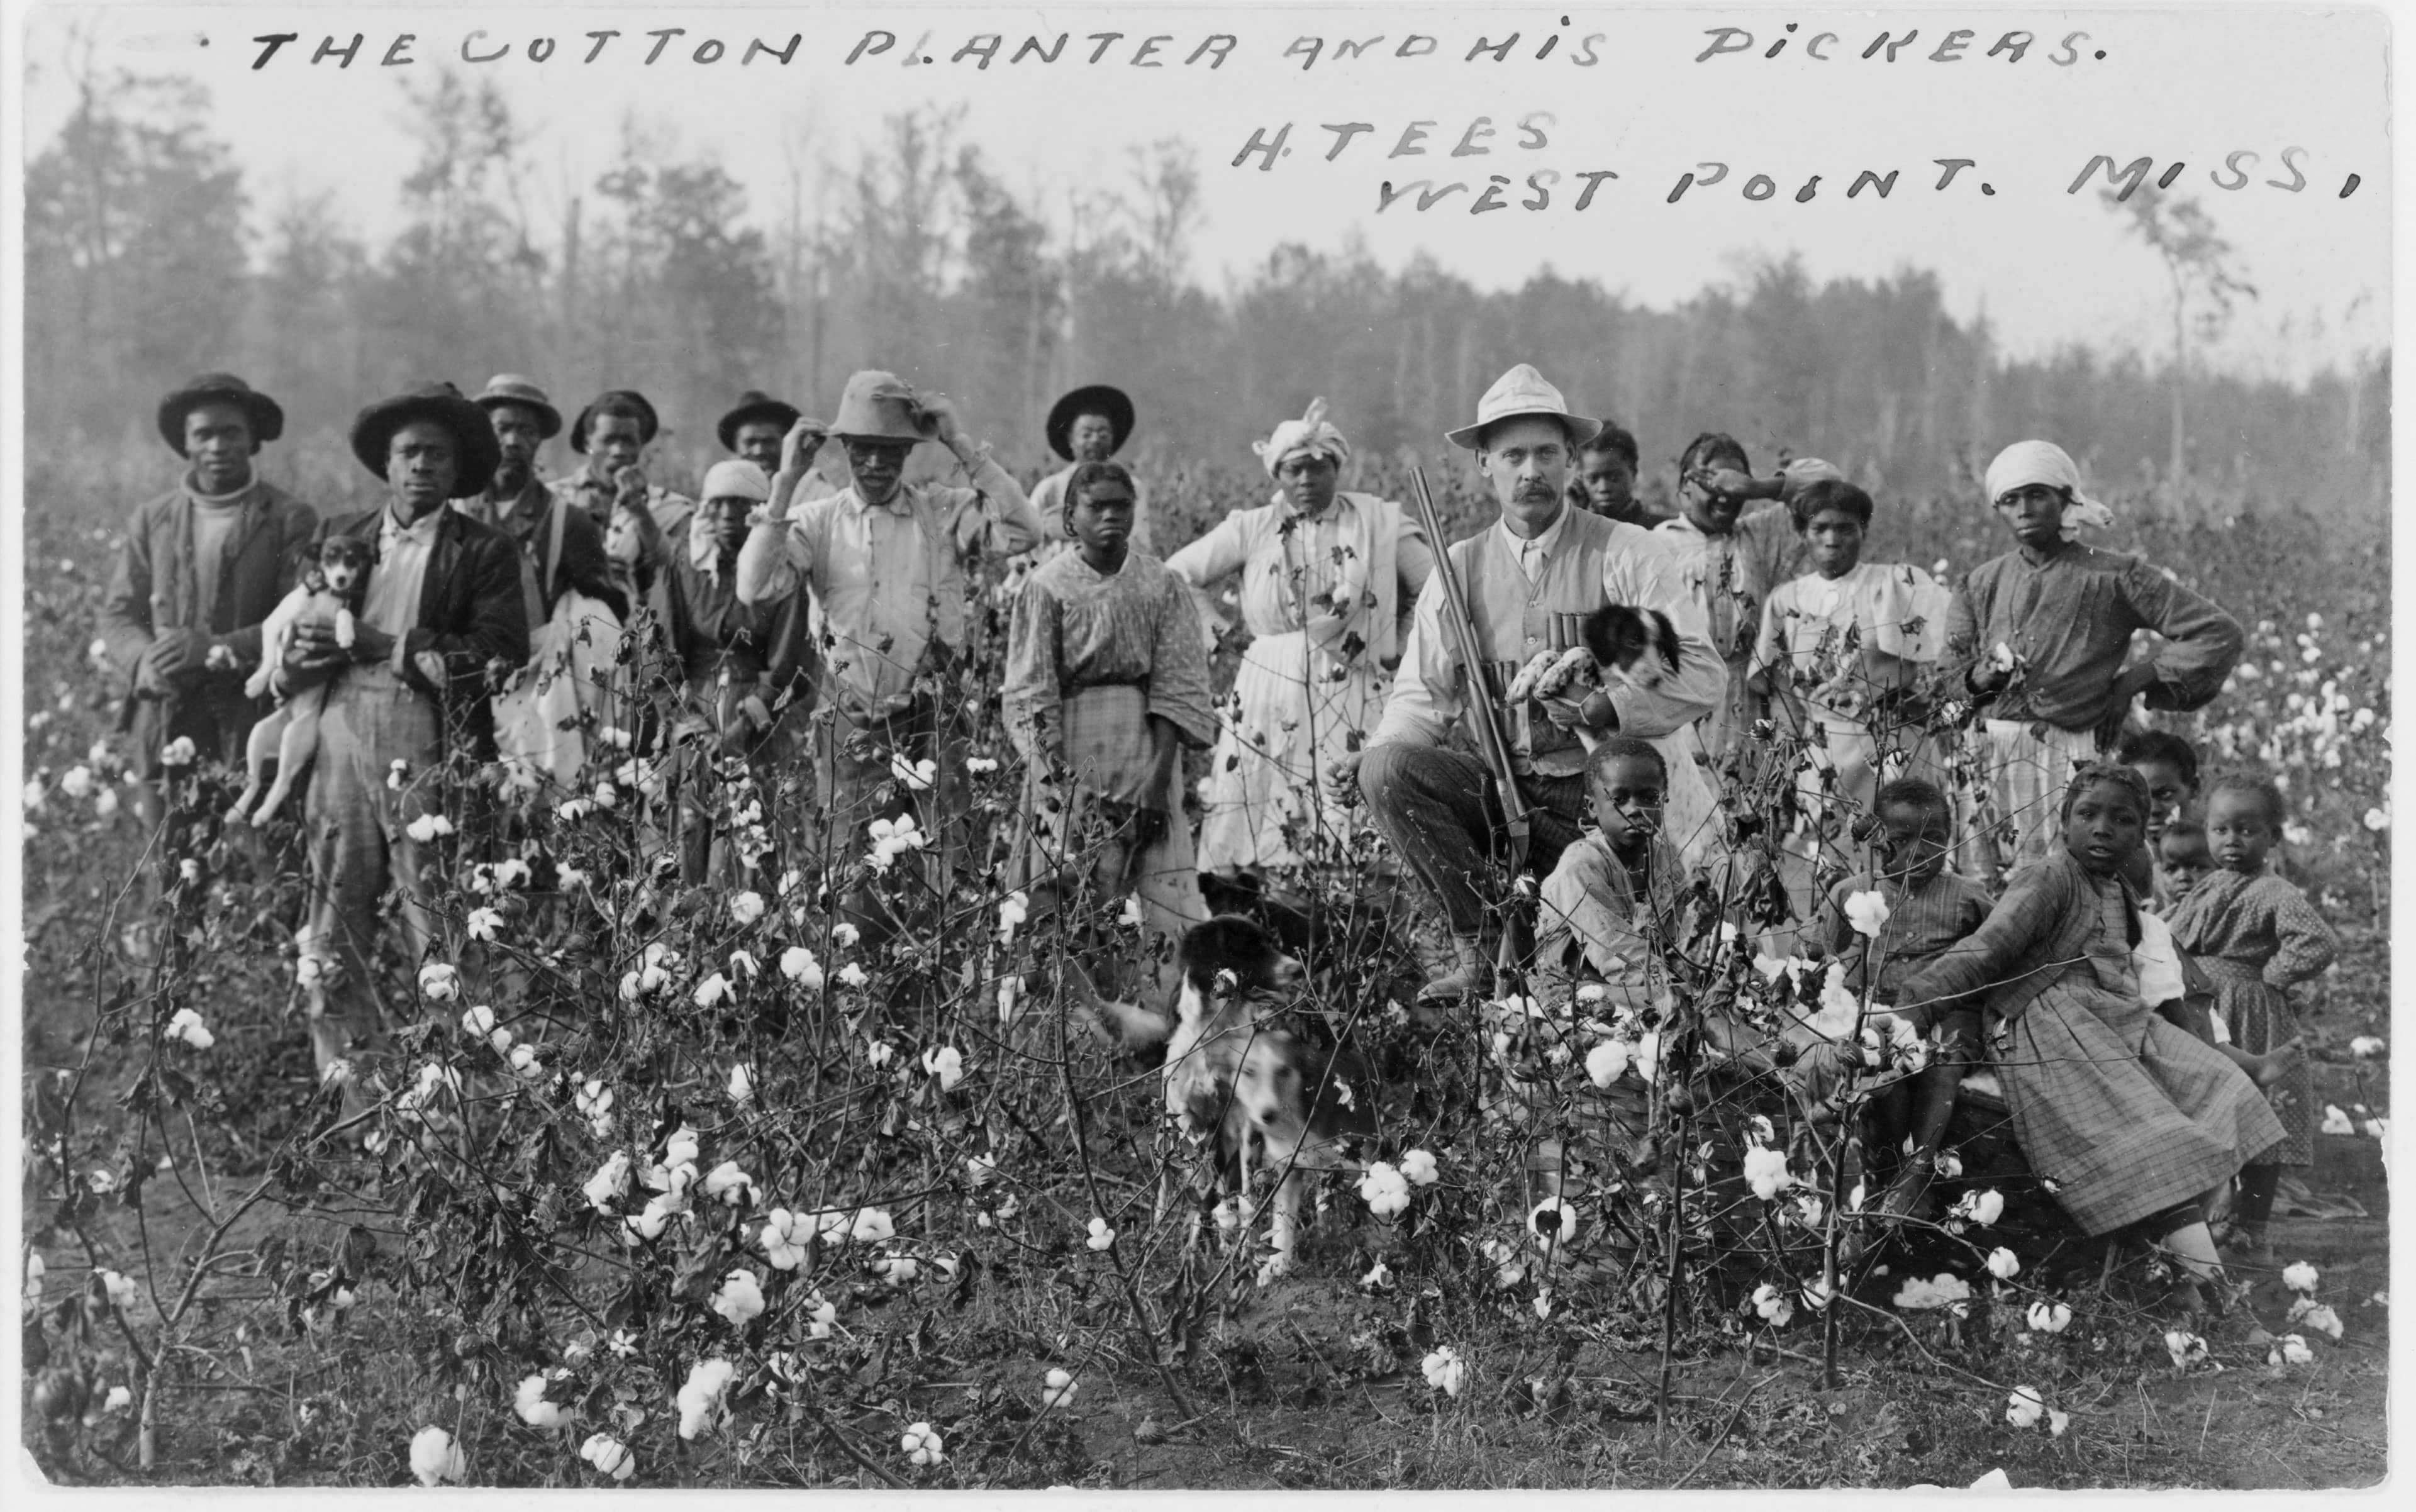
(1484, 718)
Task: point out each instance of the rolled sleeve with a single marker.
(1426, 696)
(773, 558)
(1645, 574)
(2202, 644)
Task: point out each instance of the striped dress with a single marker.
(2124, 1115)
(2258, 937)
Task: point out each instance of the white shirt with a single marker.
(391, 602)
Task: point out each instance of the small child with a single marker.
(2258, 936)
(1928, 909)
(1609, 901)
(2182, 859)
(2168, 765)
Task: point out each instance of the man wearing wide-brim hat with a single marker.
(1089, 424)
(613, 433)
(557, 555)
(886, 559)
(442, 621)
(199, 567)
(1526, 580)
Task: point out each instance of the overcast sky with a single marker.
(2051, 267)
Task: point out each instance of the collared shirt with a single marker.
(888, 581)
(391, 602)
(1587, 562)
(1532, 551)
(2070, 620)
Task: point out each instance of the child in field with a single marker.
(2258, 936)
(2182, 860)
(2168, 765)
(1609, 903)
(2132, 1119)
(1929, 909)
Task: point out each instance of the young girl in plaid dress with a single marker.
(2258, 936)
(2132, 1119)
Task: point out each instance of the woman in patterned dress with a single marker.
(1839, 646)
(2130, 1120)
(1106, 680)
(1327, 576)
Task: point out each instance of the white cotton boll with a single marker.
(1057, 1388)
(478, 1023)
(1766, 1172)
(178, 752)
(798, 964)
(77, 783)
(712, 990)
(1010, 993)
(104, 806)
(946, 1065)
(880, 1052)
(2299, 1276)
(743, 966)
(1773, 1305)
(606, 795)
(1131, 918)
(2290, 1349)
(119, 1398)
(922, 1445)
(742, 1085)
(525, 1062)
(2003, 1263)
(700, 1398)
(1553, 1223)
(1379, 1277)
(2049, 1317)
(187, 1025)
(853, 974)
(1944, 1290)
(740, 1299)
(981, 765)
(120, 1289)
(1867, 912)
(1983, 1208)
(2366, 1046)
(530, 1402)
(871, 1226)
(745, 908)
(435, 1457)
(846, 935)
(1648, 1054)
(2025, 1407)
(822, 1316)
(1385, 1189)
(611, 1181)
(1101, 1235)
(1012, 911)
(610, 1455)
(1444, 1370)
(981, 1169)
(728, 1183)
(483, 924)
(1608, 1060)
(1420, 1168)
(785, 1238)
(900, 1269)
(429, 826)
(2336, 1122)
(439, 982)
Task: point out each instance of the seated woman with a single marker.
(1840, 648)
(1106, 679)
(2131, 1120)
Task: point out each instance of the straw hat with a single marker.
(1522, 391)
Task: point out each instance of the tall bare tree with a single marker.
(2199, 263)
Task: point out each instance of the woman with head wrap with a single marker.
(730, 665)
(1326, 577)
(2039, 636)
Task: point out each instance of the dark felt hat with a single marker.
(511, 388)
(647, 424)
(267, 420)
(754, 405)
(473, 434)
(1097, 398)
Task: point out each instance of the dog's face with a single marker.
(1640, 645)
(1233, 954)
(344, 564)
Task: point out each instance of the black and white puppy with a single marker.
(1638, 647)
(331, 591)
(1265, 1095)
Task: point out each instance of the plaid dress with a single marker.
(2258, 936)
(1090, 658)
(2126, 1115)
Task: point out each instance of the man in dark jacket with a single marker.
(199, 569)
(518, 503)
(442, 618)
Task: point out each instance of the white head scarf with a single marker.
(734, 478)
(1312, 433)
(2025, 463)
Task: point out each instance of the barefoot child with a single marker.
(2132, 1119)
(2258, 936)
(1928, 910)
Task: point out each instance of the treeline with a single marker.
(150, 255)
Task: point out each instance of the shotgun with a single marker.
(1478, 693)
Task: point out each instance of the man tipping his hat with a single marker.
(1526, 581)
(886, 559)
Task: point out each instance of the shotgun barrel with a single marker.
(1478, 694)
